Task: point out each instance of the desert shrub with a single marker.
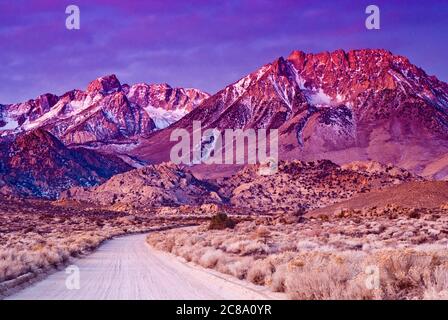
(223, 263)
(306, 245)
(263, 233)
(437, 287)
(246, 227)
(323, 262)
(197, 239)
(239, 267)
(217, 241)
(210, 258)
(432, 294)
(278, 278)
(260, 272)
(52, 257)
(404, 272)
(183, 251)
(255, 247)
(221, 221)
(233, 245)
(325, 278)
(413, 213)
(168, 244)
(197, 252)
(245, 247)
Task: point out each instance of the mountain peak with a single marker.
(38, 140)
(296, 55)
(36, 163)
(105, 84)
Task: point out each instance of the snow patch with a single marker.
(261, 72)
(299, 80)
(314, 96)
(73, 108)
(282, 92)
(11, 124)
(242, 85)
(163, 118)
(319, 98)
(339, 98)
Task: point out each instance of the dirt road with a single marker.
(127, 268)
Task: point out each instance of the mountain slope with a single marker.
(37, 164)
(342, 106)
(296, 186)
(410, 195)
(165, 184)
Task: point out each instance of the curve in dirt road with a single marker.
(127, 268)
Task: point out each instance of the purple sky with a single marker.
(205, 44)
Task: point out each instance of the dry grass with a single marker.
(38, 236)
(36, 253)
(332, 259)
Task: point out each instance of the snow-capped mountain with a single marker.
(107, 111)
(342, 106)
(164, 104)
(46, 143)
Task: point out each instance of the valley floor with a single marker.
(127, 268)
